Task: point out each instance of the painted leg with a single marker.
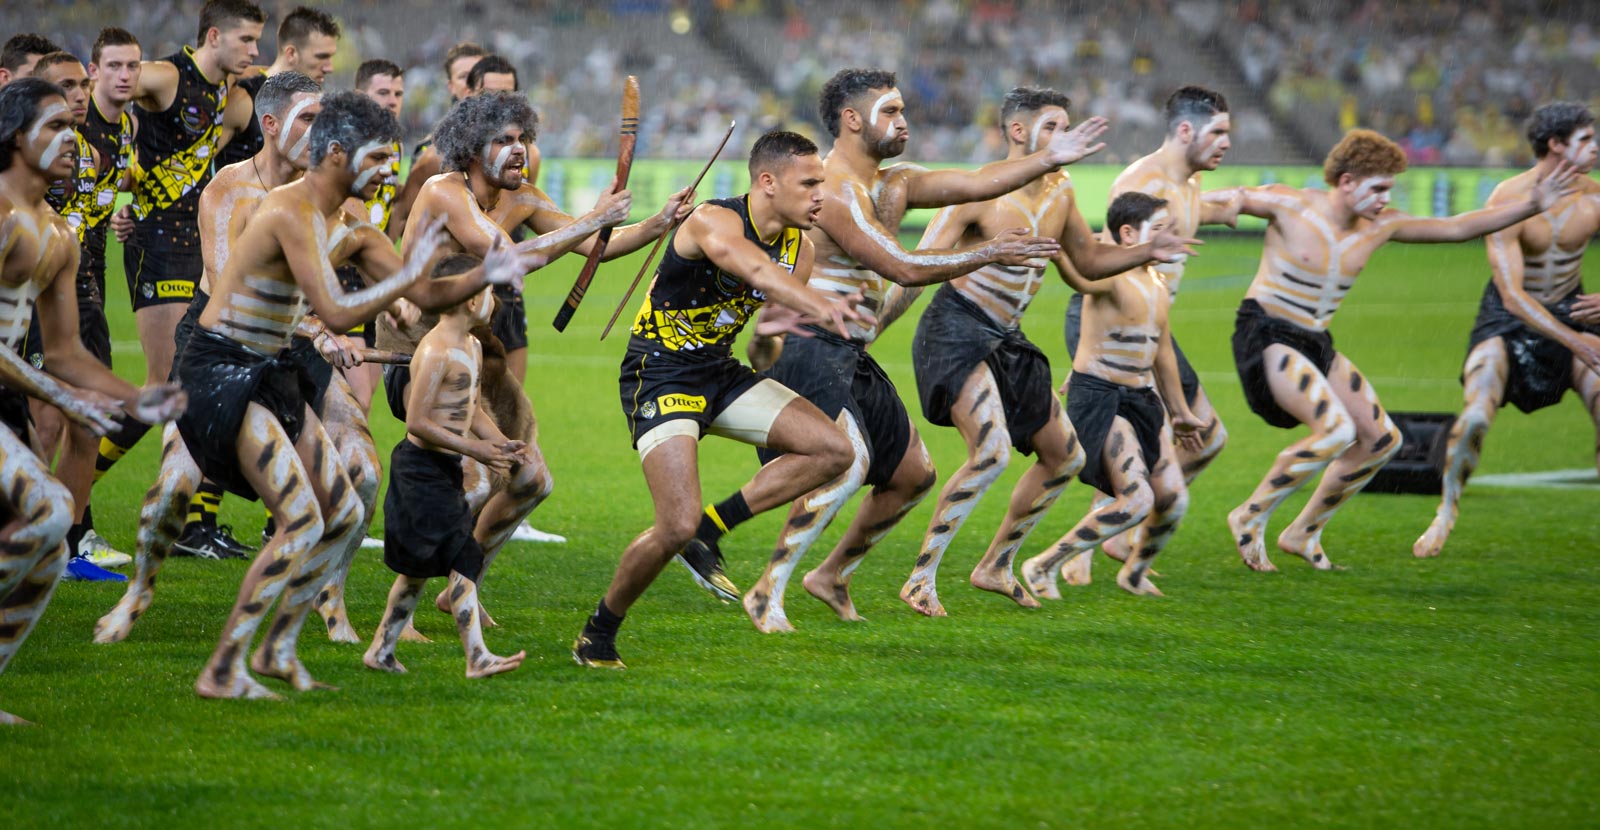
(1303, 392)
(1170, 500)
(342, 529)
(32, 556)
(396, 617)
(880, 512)
(275, 470)
(1587, 383)
(1126, 469)
(1377, 441)
(480, 488)
(528, 487)
(1060, 458)
(347, 425)
(808, 517)
(160, 522)
(1483, 387)
(480, 661)
(981, 419)
(1214, 437)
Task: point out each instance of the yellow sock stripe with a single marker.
(711, 510)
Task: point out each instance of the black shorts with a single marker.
(159, 275)
(14, 414)
(1093, 403)
(1253, 332)
(93, 331)
(185, 328)
(222, 378)
(1540, 369)
(396, 383)
(839, 375)
(953, 337)
(427, 527)
(351, 281)
(658, 385)
(1186, 374)
(510, 319)
(311, 366)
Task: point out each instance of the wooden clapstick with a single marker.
(629, 133)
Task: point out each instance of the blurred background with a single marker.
(1452, 81)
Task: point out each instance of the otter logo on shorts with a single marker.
(648, 411)
(681, 403)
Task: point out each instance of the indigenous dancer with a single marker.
(38, 265)
(428, 529)
(1128, 446)
(1536, 333)
(679, 379)
(251, 427)
(1316, 245)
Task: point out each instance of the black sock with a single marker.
(88, 517)
(603, 621)
(74, 536)
(722, 517)
(115, 445)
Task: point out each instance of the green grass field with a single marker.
(1458, 692)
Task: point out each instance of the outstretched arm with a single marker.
(1546, 191)
(848, 219)
(625, 239)
(612, 207)
(937, 188)
(1096, 260)
(376, 256)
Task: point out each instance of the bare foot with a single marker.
(767, 615)
(1306, 546)
(1432, 542)
(382, 662)
(921, 595)
(338, 621)
(115, 626)
(1118, 547)
(442, 602)
(1001, 581)
(1077, 571)
(287, 668)
(8, 719)
(240, 687)
(835, 595)
(1247, 536)
(487, 665)
(410, 634)
(1137, 582)
(1037, 573)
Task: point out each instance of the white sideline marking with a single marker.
(1580, 479)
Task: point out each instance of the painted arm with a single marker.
(938, 188)
(1221, 207)
(1546, 191)
(1095, 260)
(1170, 385)
(625, 239)
(848, 220)
(376, 256)
(423, 167)
(949, 226)
(611, 208)
(1505, 262)
(717, 234)
(1071, 277)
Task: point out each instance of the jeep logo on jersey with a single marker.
(681, 403)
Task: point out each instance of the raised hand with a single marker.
(1167, 246)
(159, 403)
(1555, 185)
(678, 206)
(613, 205)
(1015, 247)
(1079, 142)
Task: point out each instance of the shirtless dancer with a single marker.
(977, 371)
(1197, 138)
(38, 267)
(251, 426)
(1317, 242)
(483, 142)
(1127, 354)
(425, 163)
(1536, 334)
(186, 116)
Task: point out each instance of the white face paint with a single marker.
(1579, 148)
(1365, 198)
(883, 101)
(364, 177)
(1038, 124)
(1210, 145)
(301, 147)
(60, 143)
(495, 163)
(485, 306)
(1147, 229)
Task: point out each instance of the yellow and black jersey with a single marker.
(176, 149)
(694, 306)
(114, 141)
(250, 139)
(72, 195)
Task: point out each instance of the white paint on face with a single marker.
(883, 101)
(304, 144)
(1365, 197)
(1578, 145)
(62, 140)
(495, 163)
(485, 306)
(1038, 124)
(1210, 144)
(365, 177)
